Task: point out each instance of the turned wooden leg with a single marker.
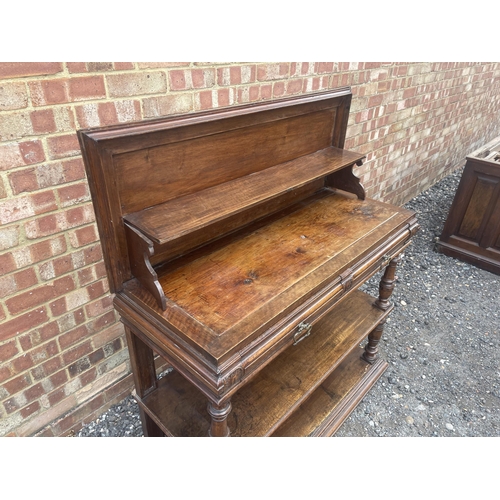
(143, 370)
(386, 286)
(370, 353)
(219, 414)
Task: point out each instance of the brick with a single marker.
(92, 254)
(31, 152)
(111, 333)
(83, 236)
(272, 71)
(21, 364)
(46, 249)
(15, 125)
(63, 146)
(73, 169)
(72, 355)
(86, 276)
(76, 67)
(9, 237)
(191, 79)
(153, 65)
(294, 86)
(7, 286)
(43, 202)
(76, 299)
(74, 194)
(5, 373)
(25, 278)
(29, 300)
(34, 392)
(30, 409)
(49, 175)
(43, 121)
(375, 100)
(112, 347)
(167, 105)
(10, 156)
(39, 336)
(73, 336)
(99, 307)
(70, 320)
(17, 384)
(21, 69)
(16, 209)
(278, 89)
(45, 352)
(324, 67)
(99, 66)
(96, 290)
(86, 87)
(87, 378)
(120, 66)
(23, 181)
(8, 350)
(15, 403)
(3, 190)
(7, 263)
(58, 307)
(13, 95)
(108, 113)
(79, 366)
(131, 84)
(48, 92)
(62, 221)
(113, 362)
(23, 323)
(104, 321)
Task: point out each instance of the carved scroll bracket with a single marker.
(345, 180)
(140, 249)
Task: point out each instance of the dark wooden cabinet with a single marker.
(235, 241)
(472, 230)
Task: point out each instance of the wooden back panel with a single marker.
(135, 166)
(154, 175)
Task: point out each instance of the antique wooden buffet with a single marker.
(235, 241)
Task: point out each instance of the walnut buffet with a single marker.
(235, 241)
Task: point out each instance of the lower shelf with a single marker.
(334, 400)
(307, 390)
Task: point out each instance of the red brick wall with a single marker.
(62, 352)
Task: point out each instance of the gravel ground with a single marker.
(442, 343)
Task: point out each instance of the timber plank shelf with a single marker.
(175, 218)
(288, 382)
(235, 241)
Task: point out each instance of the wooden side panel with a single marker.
(478, 208)
(152, 176)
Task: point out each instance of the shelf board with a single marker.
(334, 400)
(177, 217)
(263, 404)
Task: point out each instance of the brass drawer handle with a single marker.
(303, 331)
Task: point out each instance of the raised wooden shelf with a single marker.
(265, 402)
(175, 218)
